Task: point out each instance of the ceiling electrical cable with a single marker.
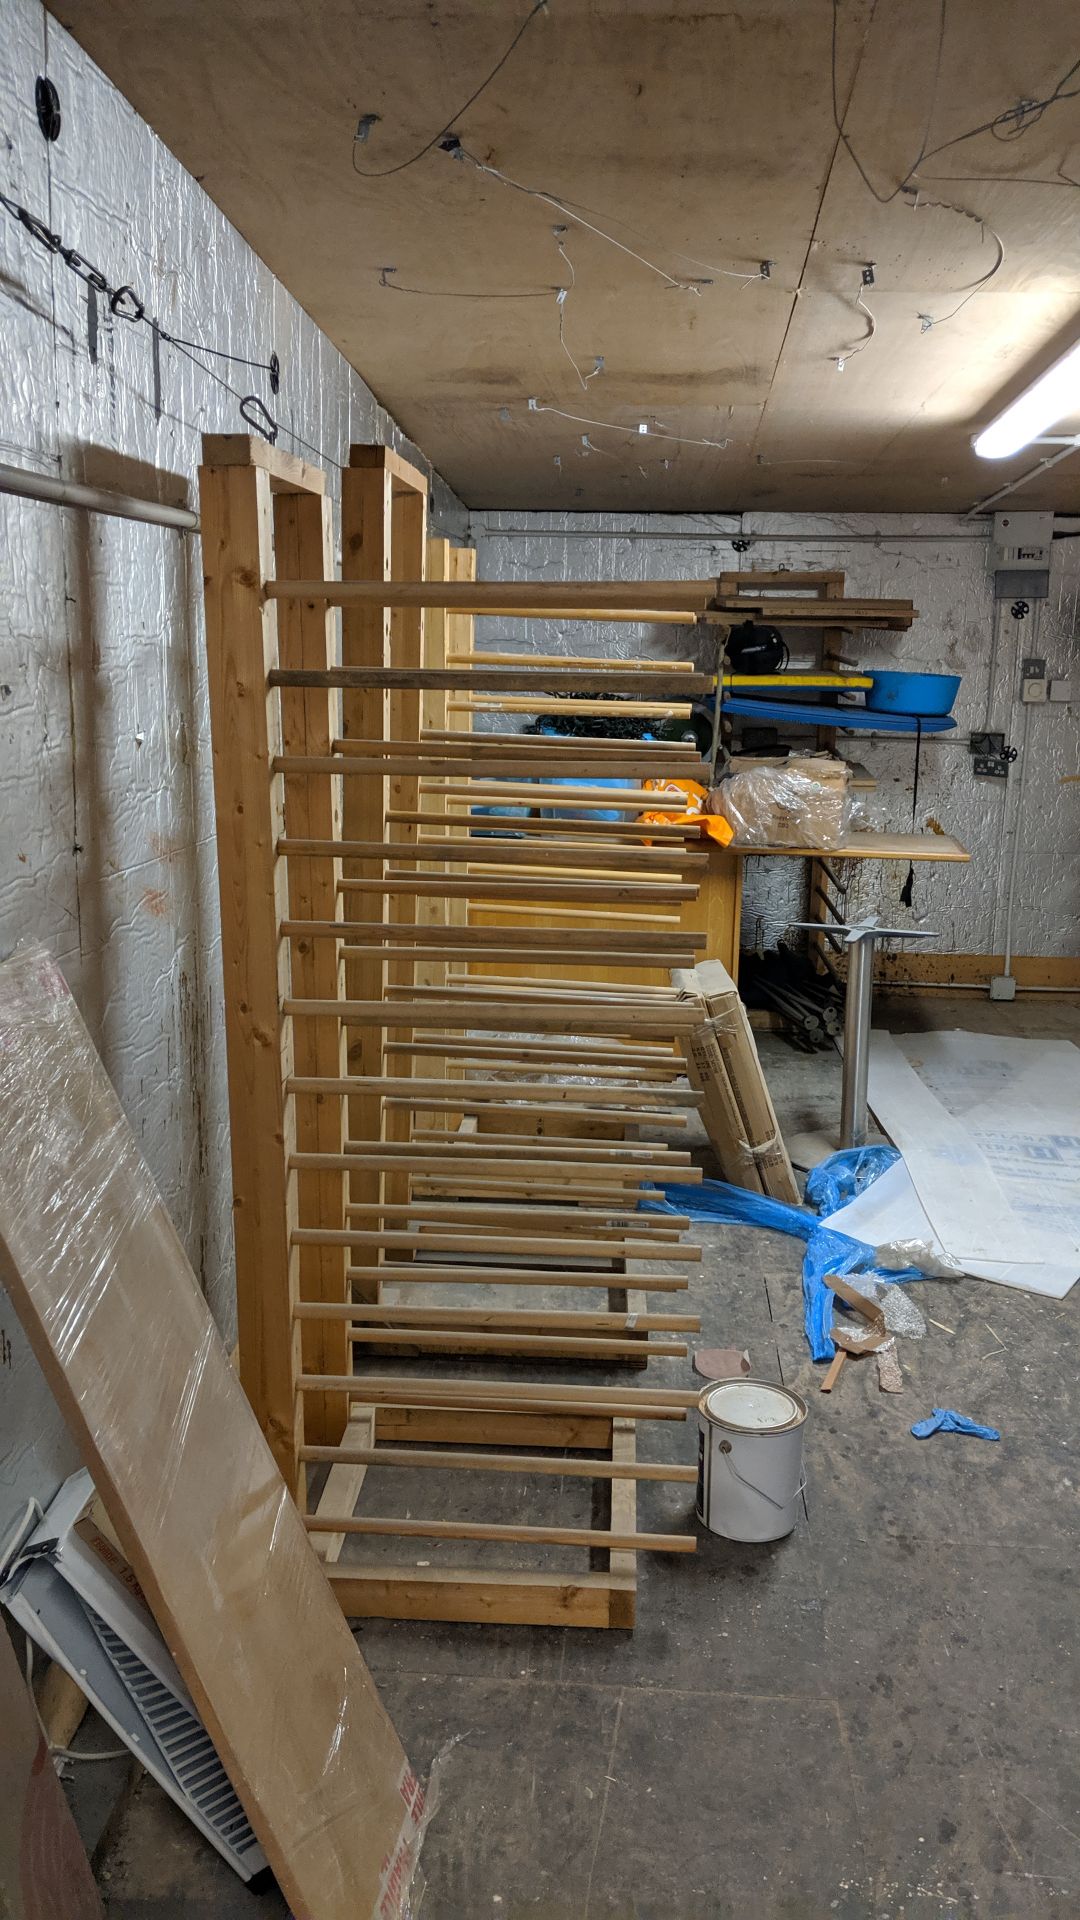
(930, 320)
(561, 297)
(643, 429)
(458, 152)
(385, 173)
(848, 353)
(1008, 125)
(453, 293)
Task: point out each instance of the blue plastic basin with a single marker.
(922, 694)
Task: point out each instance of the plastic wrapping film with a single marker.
(117, 1320)
(803, 801)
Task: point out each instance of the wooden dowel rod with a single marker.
(561, 742)
(538, 1246)
(631, 918)
(506, 955)
(510, 985)
(505, 763)
(469, 1401)
(563, 751)
(624, 707)
(531, 1093)
(495, 1319)
(421, 1274)
(618, 1116)
(525, 1463)
(666, 596)
(483, 850)
(555, 941)
(590, 1537)
(527, 1146)
(524, 888)
(494, 825)
(558, 1016)
(541, 1345)
(603, 1175)
(585, 680)
(615, 1073)
(538, 794)
(614, 1220)
(483, 657)
(513, 1392)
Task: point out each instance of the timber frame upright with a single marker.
(349, 860)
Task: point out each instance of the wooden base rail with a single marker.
(531, 1536)
(524, 1463)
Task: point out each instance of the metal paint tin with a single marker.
(750, 1459)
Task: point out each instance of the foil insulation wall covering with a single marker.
(105, 778)
(944, 565)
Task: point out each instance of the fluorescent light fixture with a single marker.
(1055, 394)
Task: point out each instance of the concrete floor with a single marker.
(876, 1717)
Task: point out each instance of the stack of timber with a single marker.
(408, 1134)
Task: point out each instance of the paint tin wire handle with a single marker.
(780, 1505)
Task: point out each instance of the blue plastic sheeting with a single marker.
(944, 1420)
(829, 713)
(826, 1250)
(843, 1175)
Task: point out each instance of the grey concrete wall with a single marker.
(944, 565)
(107, 850)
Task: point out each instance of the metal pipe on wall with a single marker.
(71, 493)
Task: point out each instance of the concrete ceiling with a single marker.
(699, 136)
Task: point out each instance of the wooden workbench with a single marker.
(717, 911)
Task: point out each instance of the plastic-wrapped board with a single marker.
(112, 1308)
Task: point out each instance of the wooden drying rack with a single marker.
(389, 1137)
(388, 1128)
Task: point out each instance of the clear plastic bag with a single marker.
(803, 801)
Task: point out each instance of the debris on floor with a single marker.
(721, 1363)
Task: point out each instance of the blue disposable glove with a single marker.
(944, 1420)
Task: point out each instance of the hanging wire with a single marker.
(458, 152)
(848, 353)
(612, 426)
(561, 297)
(1010, 124)
(386, 172)
(929, 320)
(452, 293)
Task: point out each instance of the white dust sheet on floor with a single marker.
(990, 1132)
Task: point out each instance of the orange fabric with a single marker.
(713, 825)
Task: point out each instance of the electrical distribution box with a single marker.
(1021, 551)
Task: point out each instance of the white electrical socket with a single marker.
(1002, 987)
(1033, 693)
